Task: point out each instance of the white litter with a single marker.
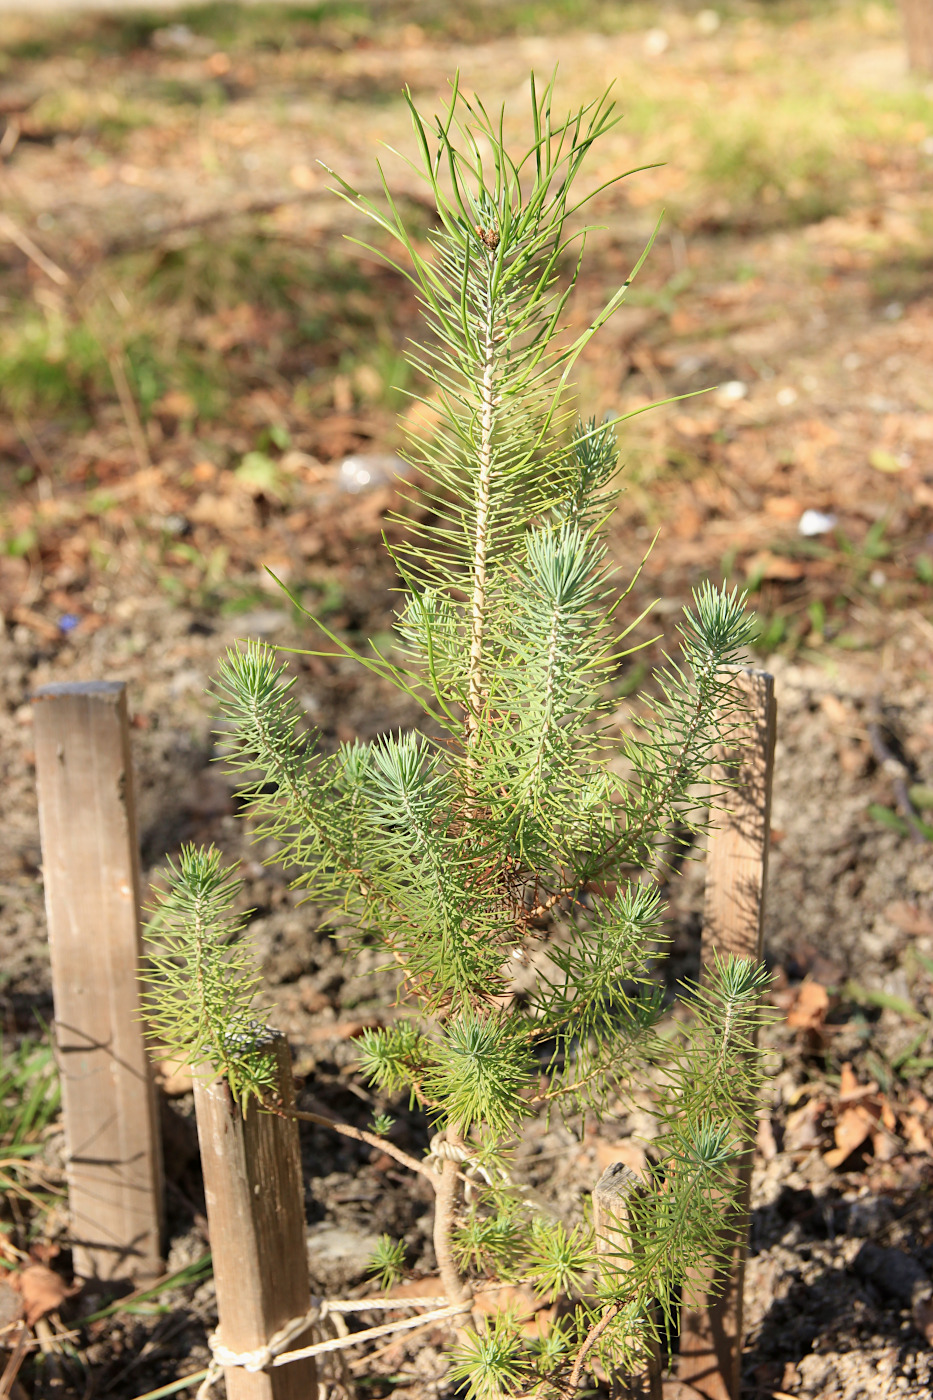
(364, 471)
(815, 522)
(732, 391)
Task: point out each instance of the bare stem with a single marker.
(570, 1385)
(481, 534)
(445, 1205)
(361, 1135)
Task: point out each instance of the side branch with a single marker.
(359, 1135)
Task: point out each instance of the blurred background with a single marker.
(201, 379)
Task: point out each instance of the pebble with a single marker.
(339, 1256)
(894, 1274)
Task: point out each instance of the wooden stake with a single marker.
(612, 1199)
(736, 873)
(255, 1212)
(90, 863)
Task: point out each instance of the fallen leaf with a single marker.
(767, 565)
(886, 461)
(834, 710)
(534, 1318)
(915, 1134)
(304, 177)
(803, 1128)
(784, 507)
(810, 1008)
(850, 1090)
(42, 1290)
(176, 404)
(884, 1147)
(418, 1288)
(687, 523)
(910, 918)
(48, 631)
(853, 1126)
(341, 1030)
(848, 1084)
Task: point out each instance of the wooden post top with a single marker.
(97, 690)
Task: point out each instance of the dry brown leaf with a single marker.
(431, 1287)
(834, 710)
(534, 1318)
(768, 565)
(852, 1128)
(848, 1084)
(784, 507)
(910, 918)
(850, 1090)
(884, 1147)
(304, 177)
(42, 1290)
(341, 1030)
(915, 1134)
(803, 1128)
(810, 1007)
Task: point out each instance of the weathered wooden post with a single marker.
(613, 1196)
(733, 920)
(255, 1212)
(90, 864)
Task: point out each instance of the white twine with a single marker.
(274, 1352)
(441, 1151)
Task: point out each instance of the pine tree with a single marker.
(512, 876)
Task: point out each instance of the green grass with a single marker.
(281, 28)
(206, 320)
(30, 1096)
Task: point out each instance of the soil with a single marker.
(115, 580)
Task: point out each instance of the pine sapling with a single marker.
(513, 877)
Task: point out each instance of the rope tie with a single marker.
(441, 1151)
(260, 1357)
(274, 1351)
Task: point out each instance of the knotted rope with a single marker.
(274, 1352)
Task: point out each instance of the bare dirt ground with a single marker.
(191, 353)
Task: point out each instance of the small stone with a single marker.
(339, 1256)
(869, 1216)
(892, 1273)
